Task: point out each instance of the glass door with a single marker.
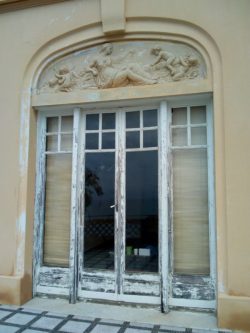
(119, 233)
(141, 271)
(137, 186)
(97, 236)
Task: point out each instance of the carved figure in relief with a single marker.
(65, 80)
(178, 66)
(109, 75)
(109, 69)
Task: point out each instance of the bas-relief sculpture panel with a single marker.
(121, 64)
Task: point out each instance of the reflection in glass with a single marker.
(179, 136)
(52, 124)
(199, 135)
(67, 124)
(108, 121)
(198, 115)
(92, 121)
(150, 138)
(179, 116)
(133, 119)
(99, 217)
(133, 139)
(66, 142)
(142, 211)
(149, 118)
(51, 142)
(91, 140)
(108, 140)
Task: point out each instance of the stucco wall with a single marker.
(226, 23)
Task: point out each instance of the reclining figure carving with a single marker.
(108, 71)
(107, 75)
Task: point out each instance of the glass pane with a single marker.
(149, 118)
(108, 140)
(91, 140)
(57, 210)
(66, 142)
(52, 124)
(179, 136)
(67, 124)
(99, 217)
(199, 135)
(190, 212)
(51, 142)
(142, 211)
(179, 116)
(198, 114)
(92, 121)
(108, 121)
(150, 138)
(133, 139)
(133, 119)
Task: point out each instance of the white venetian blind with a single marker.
(190, 191)
(58, 192)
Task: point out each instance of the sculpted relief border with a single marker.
(122, 64)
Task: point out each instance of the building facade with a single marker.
(126, 175)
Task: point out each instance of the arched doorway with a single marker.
(125, 180)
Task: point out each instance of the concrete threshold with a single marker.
(195, 320)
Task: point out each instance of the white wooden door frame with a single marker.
(70, 277)
(120, 219)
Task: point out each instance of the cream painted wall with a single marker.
(24, 32)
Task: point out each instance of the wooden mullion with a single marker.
(163, 191)
(74, 216)
(81, 198)
(211, 194)
(120, 202)
(39, 200)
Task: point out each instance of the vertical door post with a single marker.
(164, 190)
(120, 201)
(73, 271)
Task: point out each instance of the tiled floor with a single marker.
(21, 319)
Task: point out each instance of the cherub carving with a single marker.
(178, 66)
(65, 79)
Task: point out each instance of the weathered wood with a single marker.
(119, 285)
(211, 194)
(54, 277)
(119, 205)
(47, 291)
(193, 287)
(98, 284)
(163, 191)
(39, 201)
(138, 299)
(81, 197)
(195, 290)
(135, 287)
(73, 265)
